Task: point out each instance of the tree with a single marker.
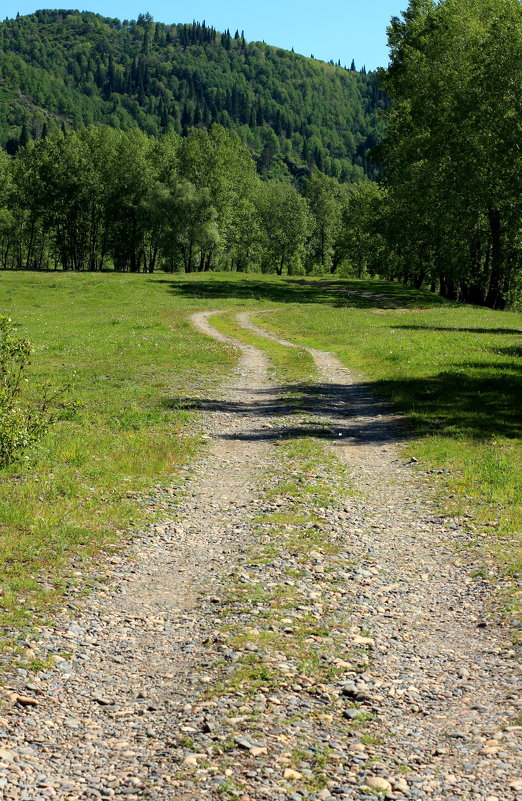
(190, 232)
(23, 419)
(24, 136)
(324, 199)
(219, 162)
(131, 177)
(6, 211)
(452, 155)
(359, 241)
(285, 222)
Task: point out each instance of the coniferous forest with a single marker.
(139, 146)
(75, 69)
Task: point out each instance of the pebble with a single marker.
(218, 659)
(377, 783)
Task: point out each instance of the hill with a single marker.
(76, 68)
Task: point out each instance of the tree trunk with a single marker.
(419, 279)
(494, 297)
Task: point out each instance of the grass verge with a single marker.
(135, 364)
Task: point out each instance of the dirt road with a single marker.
(259, 644)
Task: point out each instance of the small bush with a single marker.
(22, 421)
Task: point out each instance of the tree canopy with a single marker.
(99, 198)
(452, 152)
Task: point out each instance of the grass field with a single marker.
(128, 349)
(125, 343)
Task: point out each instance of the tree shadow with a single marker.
(486, 367)
(449, 404)
(324, 411)
(514, 331)
(484, 405)
(514, 351)
(337, 293)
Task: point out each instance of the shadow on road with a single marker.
(450, 404)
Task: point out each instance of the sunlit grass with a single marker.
(126, 346)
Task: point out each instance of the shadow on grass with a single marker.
(449, 404)
(483, 406)
(514, 331)
(514, 351)
(337, 293)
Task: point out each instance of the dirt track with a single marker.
(427, 711)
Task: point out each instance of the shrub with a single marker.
(22, 421)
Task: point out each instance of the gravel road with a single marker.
(149, 688)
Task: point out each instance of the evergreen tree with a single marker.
(80, 68)
(24, 138)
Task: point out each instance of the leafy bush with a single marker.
(22, 421)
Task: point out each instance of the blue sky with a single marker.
(332, 29)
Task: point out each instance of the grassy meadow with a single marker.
(125, 344)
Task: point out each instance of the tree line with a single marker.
(446, 214)
(105, 199)
(452, 152)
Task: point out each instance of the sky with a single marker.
(327, 29)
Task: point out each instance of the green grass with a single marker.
(139, 371)
(134, 360)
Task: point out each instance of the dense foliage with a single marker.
(101, 198)
(294, 113)
(452, 153)
(223, 154)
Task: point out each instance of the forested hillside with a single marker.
(72, 69)
(140, 146)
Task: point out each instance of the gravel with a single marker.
(346, 654)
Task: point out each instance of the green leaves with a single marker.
(85, 68)
(20, 424)
(452, 154)
(285, 224)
